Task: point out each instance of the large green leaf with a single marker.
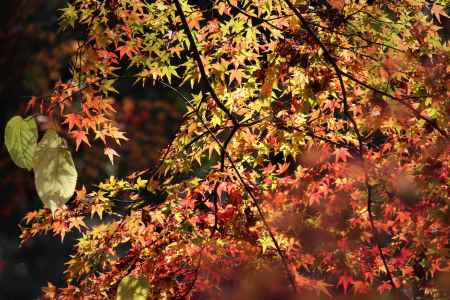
(133, 288)
(21, 136)
(54, 171)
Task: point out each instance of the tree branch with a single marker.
(339, 73)
(247, 189)
(201, 67)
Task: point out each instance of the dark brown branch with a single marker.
(222, 167)
(240, 10)
(308, 132)
(201, 67)
(223, 147)
(339, 73)
(192, 285)
(201, 135)
(247, 189)
(374, 232)
(400, 100)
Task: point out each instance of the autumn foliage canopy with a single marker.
(312, 161)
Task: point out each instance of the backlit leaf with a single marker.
(55, 173)
(133, 288)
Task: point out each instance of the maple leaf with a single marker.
(188, 202)
(322, 287)
(300, 280)
(338, 4)
(97, 209)
(125, 50)
(77, 222)
(49, 291)
(236, 74)
(438, 11)
(116, 134)
(342, 154)
(405, 254)
(227, 213)
(345, 280)
(80, 194)
(79, 136)
(360, 287)
(110, 152)
(194, 20)
(30, 216)
(282, 168)
(101, 134)
(265, 242)
(60, 228)
(73, 120)
(385, 286)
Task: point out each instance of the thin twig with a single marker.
(201, 67)
(247, 189)
(339, 73)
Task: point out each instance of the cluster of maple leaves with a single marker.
(312, 159)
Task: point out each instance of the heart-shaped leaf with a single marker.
(21, 136)
(133, 288)
(55, 173)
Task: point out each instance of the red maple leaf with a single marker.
(405, 254)
(80, 136)
(359, 287)
(125, 49)
(385, 286)
(226, 214)
(345, 280)
(342, 154)
(72, 120)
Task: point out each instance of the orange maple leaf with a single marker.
(30, 216)
(80, 136)
(236, 74)
(438, 11)
(73, 120)
(360, 287)
(125, 49)
(342, 154)
(80, 194)
(385, 286)
(110, 152)
(338, 4)
(60, 228)
(322, 287)
(77, 222)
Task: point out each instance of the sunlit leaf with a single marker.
(133, 288)
(20, 139)
(55, 173)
